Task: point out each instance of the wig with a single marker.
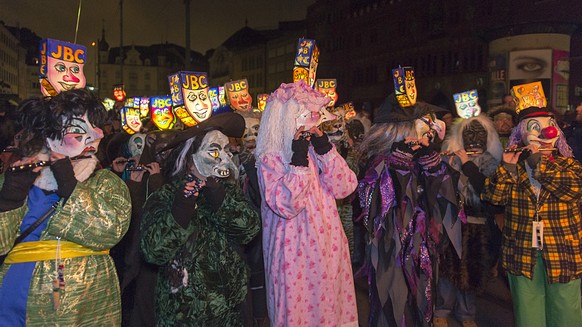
(179, 161)
(278, 120)
(381, 136)
(518, 131)
(454, 141)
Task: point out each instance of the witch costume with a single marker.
(410, 208)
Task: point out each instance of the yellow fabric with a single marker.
(47, 250)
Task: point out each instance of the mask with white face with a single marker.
(430, 126)
(80, 137)
(213, 158)
(541, 131)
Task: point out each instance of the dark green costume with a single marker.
(202, 279)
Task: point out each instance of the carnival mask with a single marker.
(79, 138)
(335, 129)
(541, 131)
(475, 137)
(135, 144)
(213, 157)
(251, 132)
(310, 119)
(430, 127)
(503, 123)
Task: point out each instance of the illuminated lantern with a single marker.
(262, 101)
(190, 96)
(238, 95)
(161, 112)
(61, 66)
(144, 107)
(467, 104)
(404, 86)
(130, 118)
(328, 87)
(306, 60)
(529, 95)
(119, 92)
(109, 104)
(218, 100)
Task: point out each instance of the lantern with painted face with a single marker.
(467, 104)
(238, 95)
(161, 112)
(404, 86)
(190, 96)
(61, 66)
(119, 92)
(144, 107)
(262, 101)
(328, 87)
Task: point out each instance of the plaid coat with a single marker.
(559, 209)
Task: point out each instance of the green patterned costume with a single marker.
(95, 216)
(202, 279)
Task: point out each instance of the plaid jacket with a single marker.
(559, 201)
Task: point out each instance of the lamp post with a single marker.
(96, 63)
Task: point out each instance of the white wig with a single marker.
(277, 127)
(454, 141)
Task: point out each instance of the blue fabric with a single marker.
(14, 289)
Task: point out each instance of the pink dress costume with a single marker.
(307, 261)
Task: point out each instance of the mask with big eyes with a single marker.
(79, 137)
(475, 137)
(335, 129)
(430, 126)
(541, 131)
(213, 158)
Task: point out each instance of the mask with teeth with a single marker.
(213, 158)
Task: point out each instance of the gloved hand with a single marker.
(402, 147)
(429, 158)
(15, 188)
(184, 206)
(214, 193)
(65, 176)
(300, 148)
(321, 144)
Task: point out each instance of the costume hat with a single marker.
(229, 123)
(391, 112)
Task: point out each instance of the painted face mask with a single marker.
(475, 137)
(251, 132)
(430, 126)
(542, 131)
(80, 138)
(213, 157)
(335, 129)
(135, 144)
(198, 103)
(309, 119)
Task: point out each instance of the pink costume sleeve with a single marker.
(283, 191)
(336, 176)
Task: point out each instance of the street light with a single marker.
(95, 44)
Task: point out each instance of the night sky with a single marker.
(148, 22)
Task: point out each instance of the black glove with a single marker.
(321, 144)
(300, 148)
(214, 193)
(15, 188)
(65, 176)
(183, 207)
(402, 148)
(429, 158)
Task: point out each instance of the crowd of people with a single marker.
(264, 218)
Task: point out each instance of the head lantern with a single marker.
(404, 86)
(262, 101)
(161, 112)
(238, 95)
(467, 104)
(190, 96)
(130, 115)
(536, 123)
(328, 87)
(306, 61)
(61, 66)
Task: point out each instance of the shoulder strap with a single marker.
(37, 223)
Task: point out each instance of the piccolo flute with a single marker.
(524, 148)
(40, 163)
(450, 153)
